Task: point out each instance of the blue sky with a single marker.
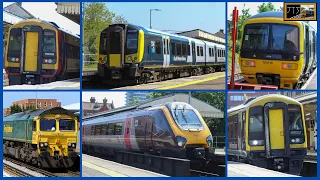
(64, 97)
(209, 17)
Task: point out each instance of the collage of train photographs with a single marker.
(159, 89)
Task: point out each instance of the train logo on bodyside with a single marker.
(7, 129)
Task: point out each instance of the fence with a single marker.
(90, 62)
(219, 141)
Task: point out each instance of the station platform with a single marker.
(311, 156)
(236, 169)
(66, 84)
(97, 167)
(311, 82)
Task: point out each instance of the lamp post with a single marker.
(150, 15)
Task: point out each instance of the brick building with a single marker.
(92, 107)
(41, 104)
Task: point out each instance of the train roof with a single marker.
(253, 100)
(169, 105)
(274, 14)
(29, 115)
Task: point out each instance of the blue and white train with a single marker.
(130, 52)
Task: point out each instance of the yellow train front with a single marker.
(40, 52)
(269, 132)
(277, 52)
(46, 138)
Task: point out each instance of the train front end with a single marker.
(31, 52)
(192, 135)
(272, 51)
(276, 134)
(56, 139)
(121, 48)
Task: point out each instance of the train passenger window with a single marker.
(47, 125)
(111, 129)
(179, 53)
(118, 129)
(201, 51)
(188, 49)
(67, 125)
(104, 129)
(173, 49)
(184, 49)
(158, 47)
(167, 46)
(97, 129)
(210, 52)
(198, 51)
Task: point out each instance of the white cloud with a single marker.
(118, 98)
(47, 11)
(254, 9)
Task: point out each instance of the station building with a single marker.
(218, 37)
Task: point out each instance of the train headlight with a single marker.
(209, 141)
(289, 66)
(249, 63)
(296, 140)
(72, 145)
(13, 59)
(46, 144)
(256, 142)
(42, 145)
(181, 141)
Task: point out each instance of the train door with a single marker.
(276, 127)
(193, 52)
(115, 46)
(127, 132)
(166, 54)
(307, 50)
(31, 50)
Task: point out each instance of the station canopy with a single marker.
(70, 10)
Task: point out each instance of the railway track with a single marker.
(15, 171)
(44, 172)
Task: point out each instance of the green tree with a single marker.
(154, 95)
(134, 101)
(119, 19)
(265, 7)
(96, 18)
(15, 109)
(30, 107)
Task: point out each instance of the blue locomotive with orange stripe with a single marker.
(130, 52)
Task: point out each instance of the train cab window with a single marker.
(184, 49)
(132, 41)
(201, 51)
(173, 49)
(179, 53)
(295, 118)
(256, 131)
(15, 43)
(187, 119)
(158, 47)
(34, 125)
(198, 51)
(67, 125)
(47, 125)
(118, 129)
(111, 129)
(188, 50)
(103, 43)
(49, 43)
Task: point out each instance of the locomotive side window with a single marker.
(47, 125)
(256, 131)
(67, 125)
(179, 53)
(103, 43)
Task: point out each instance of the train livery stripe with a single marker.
(127, 132)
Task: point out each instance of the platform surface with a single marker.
(236, 169)
(97, 167)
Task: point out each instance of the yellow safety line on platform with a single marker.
(191, 82)
(103, 170)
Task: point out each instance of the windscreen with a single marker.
(47, 125)
(67, 125)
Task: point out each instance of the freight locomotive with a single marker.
(130, 52)
(40, 52)
(46, 138)
(173, 129)
(277, 52)
(269, 132)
